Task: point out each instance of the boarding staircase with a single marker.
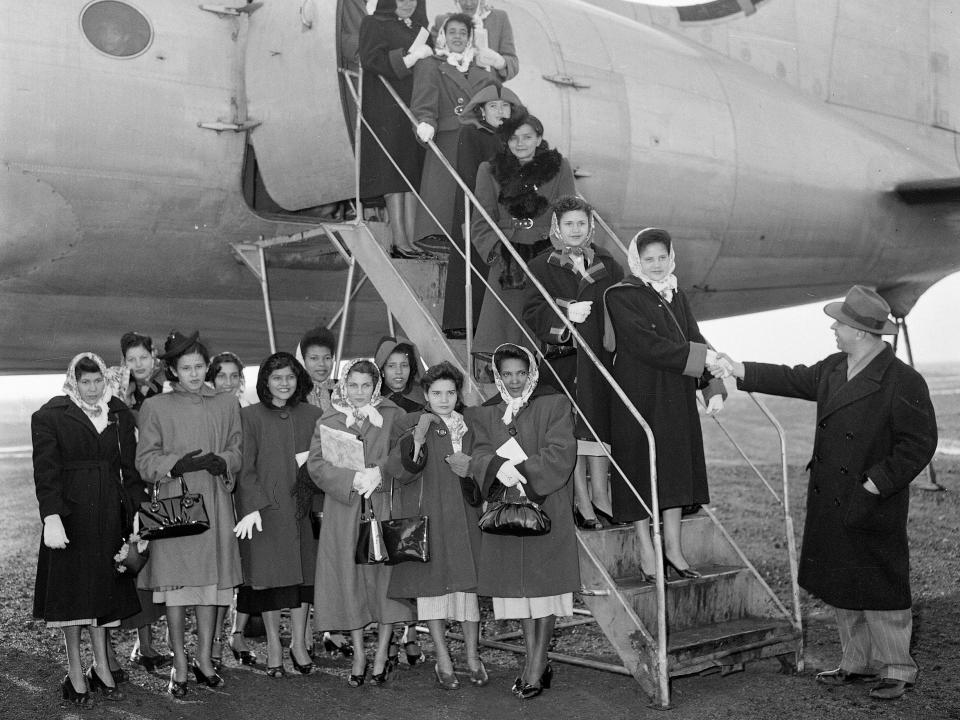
(660, 629)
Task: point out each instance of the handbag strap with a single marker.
(393, 481)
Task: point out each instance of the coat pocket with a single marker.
(865, 511)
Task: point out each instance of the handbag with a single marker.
(520, 516)
(177, 516)
(370, 549)
(407, 539)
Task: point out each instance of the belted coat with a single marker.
(878, 425)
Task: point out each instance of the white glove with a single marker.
(490, 58)
(425, 131)
(417, 54)
(715, 405)
(244, 528)
(579, 311)
(509, 476)
(718, 364)
(54, 536)
(366, 481)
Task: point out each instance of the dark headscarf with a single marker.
(387, 10)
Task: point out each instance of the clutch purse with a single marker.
(370, 549)
(514, 514)
(177, 516)
(406, 539)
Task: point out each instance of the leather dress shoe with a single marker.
(839, 676)
(890, 689)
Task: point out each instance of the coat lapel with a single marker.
(465, 83)
(75, 413)
(842, 392)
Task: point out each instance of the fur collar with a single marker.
(519, 183)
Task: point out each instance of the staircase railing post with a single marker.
(265, 291)
(347, 296)
(468, 284)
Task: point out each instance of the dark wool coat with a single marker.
(495, 326)
(577, 372)
(77, 473)
(383, 43)
(285, 552)
(543, 565)
(348, 596)
(660, 366)
(453, 533)
(171, 425)
(879, 425)
(440, 92)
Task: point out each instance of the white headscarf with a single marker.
(97, 412)
(515, 404)
(356, 415)
(461, 61)
(666, 287)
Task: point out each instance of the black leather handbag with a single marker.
(177, 516)
(370, 549)
(407, 539)
(513, 513)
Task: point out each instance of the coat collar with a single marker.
(842, 392)
(466, 82)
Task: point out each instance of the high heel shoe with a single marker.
(527, 691)
(70, 694)
(585, 523)
(547, 678)
(381, 678)
(204, 679)
(448, 681)
(479, 677)
(277, 672)
(356, 681)
(304, 669)
(333, 648)
(687, 573)
(96, 684)
(245, 657)
(607, 518)
(399, 253)
(414, 656)
(147, 662)
(175, 687)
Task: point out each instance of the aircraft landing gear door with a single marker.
(302, 143)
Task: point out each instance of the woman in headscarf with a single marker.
(576, 275)
(660, 363)
(387, 50)
(442, 86)
(478, 141)
(193, 434)
(277, 547)
(516, 188)
(531, 579)
(347, 595)
(399, 365)
(83, 468)
(492, 37)
(432, 461)
(317, 349)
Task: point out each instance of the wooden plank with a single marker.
(744, 655)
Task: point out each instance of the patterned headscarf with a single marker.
(72, 390)
(461, 61)
(515, 404)
(355, 415)
(666, 287)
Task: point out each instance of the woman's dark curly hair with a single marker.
(279, 361)
(218, 361)
(442, 371)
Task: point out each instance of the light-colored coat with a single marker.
(348, 596)
(172, 425)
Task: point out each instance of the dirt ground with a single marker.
(32, 662)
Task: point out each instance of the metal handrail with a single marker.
(662, 670)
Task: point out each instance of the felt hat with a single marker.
(489, 93)
(863, 309)
(176, 343)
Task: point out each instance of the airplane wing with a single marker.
(930, 192)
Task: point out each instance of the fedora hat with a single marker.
(863, 309)
(176, 343)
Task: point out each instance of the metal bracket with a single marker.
(221, 126)
(581, 173)
(592, 592)
(565, 80)
(231, 10)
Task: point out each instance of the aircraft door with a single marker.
(292, 89)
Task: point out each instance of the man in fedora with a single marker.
(876, 431)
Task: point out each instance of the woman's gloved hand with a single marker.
(577, 312)
(509, 476)
(244, 528)
(425, 131)
(490, 58)
(460, 464)
(188, 463)
(715, 404)
(54, 536)
(213, 463)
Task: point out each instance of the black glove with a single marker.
(188, 463)
(213, 464)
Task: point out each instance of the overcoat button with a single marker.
(512, 431)
(844, 471)
(822, 424)
(836, 501)
(816, 489)
(849, 436)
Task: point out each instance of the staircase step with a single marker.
(730, 643)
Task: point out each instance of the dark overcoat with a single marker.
(348, 596)
(285, 552)
(453, 532)
(541, 565)
(659, 363)
(383, 43)
(577, 372)
(77, 473)
(878, 425)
